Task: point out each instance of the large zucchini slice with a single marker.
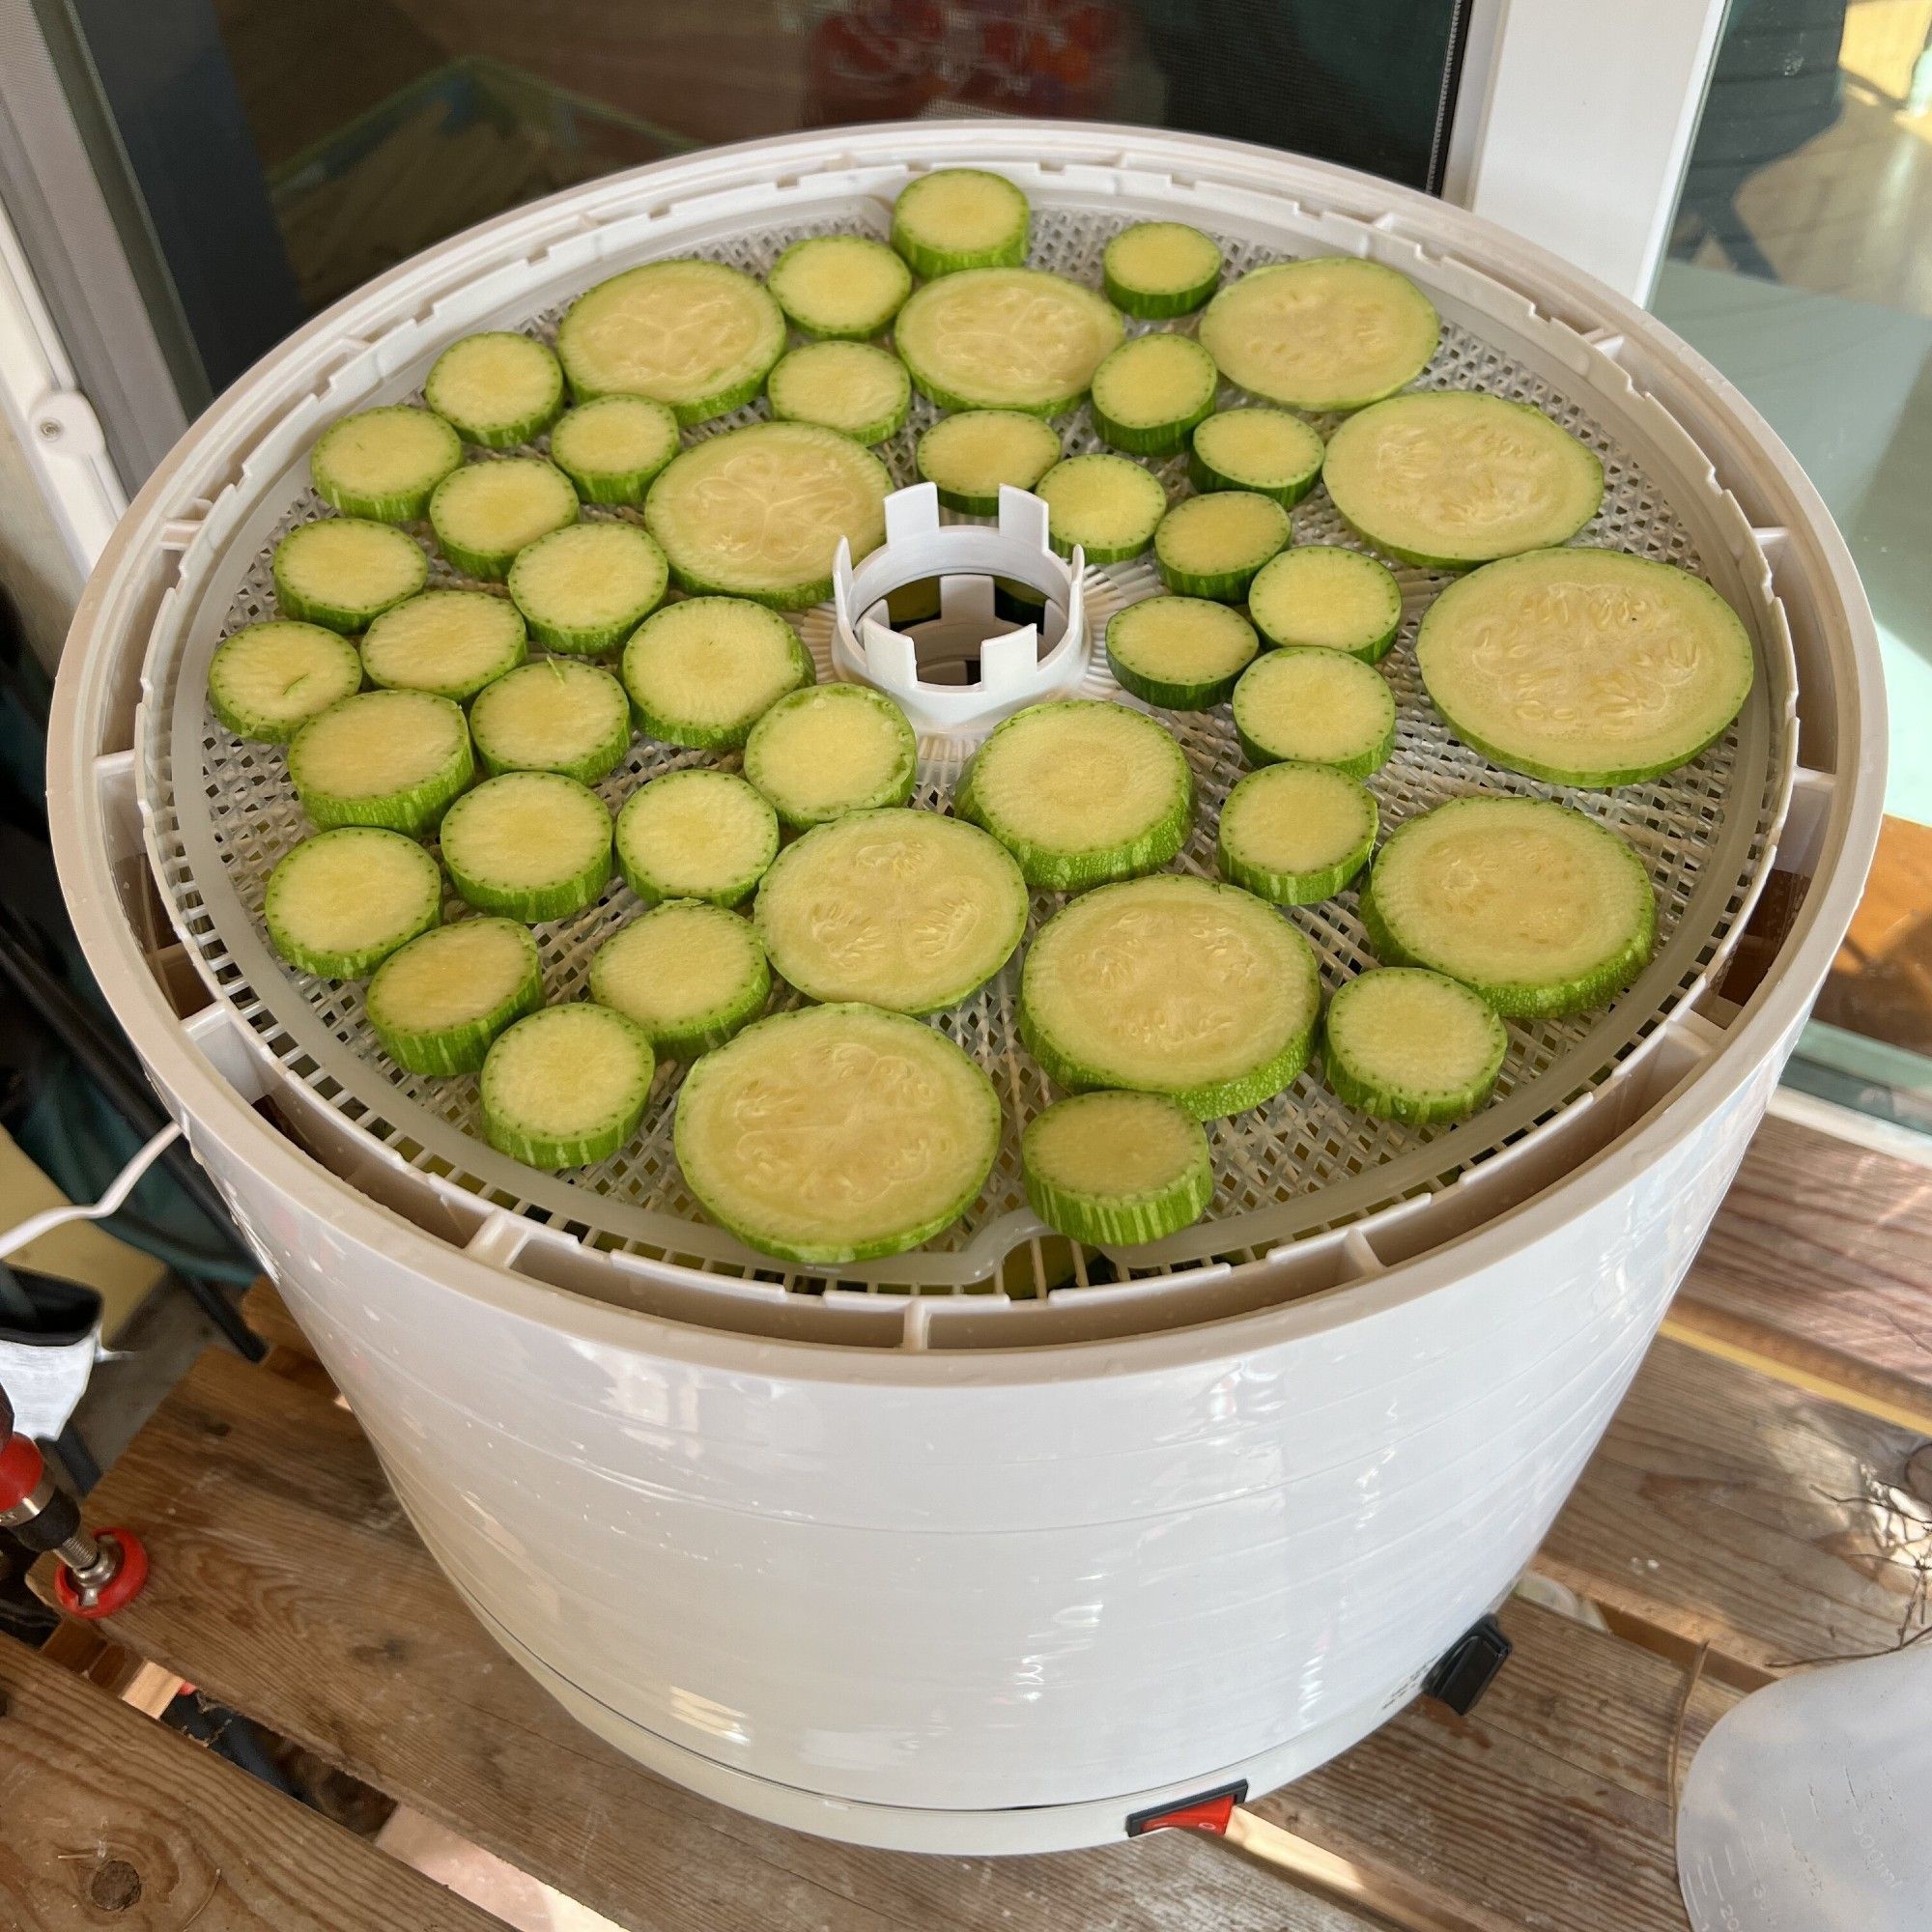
(566, 1087)
(1006, 339)
(268, 680)
(839, 288)
(1116, 1170)
(829, 750)
(438, 1002)
(393, 758)
(338, 904)
(960, 218)
(1407, 1044)
(688, 973)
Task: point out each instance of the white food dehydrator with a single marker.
(988, 1547)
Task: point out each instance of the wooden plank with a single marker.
(110, 1819)
(287, 1584)
(1743, 1513)
(265, 1311)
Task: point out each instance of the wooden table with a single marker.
(1742, 1517)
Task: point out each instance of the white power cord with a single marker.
(36, 1225)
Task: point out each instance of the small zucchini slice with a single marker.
(483, 514)
(530, 845)
(448, 643)
(555, 715)
(1006, 339)
(1405, 1044)
(611, 448)
(268, 680)
(1213, 546)
(1183, 653)
(1149, 395)
(690, 974)
(1160, 268)
(1316, 707)
(566, 1087)
(383, 462)
(437, 1002)
(695, 835)
(1324, 596)
(702, 671)
(338, 904)
(860, 390)
(1268, 451)
(1538, 908)
(1104, 506)
(958, 218)
(1295, 835)
(967, 457)
(499, 389)
(1116, 1170)
(829, 750)
(344, 572)
(839, 288)
(584, 589)
(394, 758)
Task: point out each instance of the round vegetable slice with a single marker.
(1326, 597)
(437, 1002)
(383, 757)
(383, 462)
(695, 835)
(1080, 790)
(1160, 268)
(1295, 835)
(1327, 333)
(861, 391)
(1115, 1170)
(1171, 986)
(690, 974)
(498, 388)
(450, 643)
(1104, 506)
(1211, 546)
(611, 448)
(836, 1134)
(1316, 707)
(566, 1087)
(899, 909)
(555, 715)
(1536, 907)
(1268, 451)
(344, 572)
(759, 512)
(960, 218)
(1585, 667)
(1150, 392)
(1454, 478)
(698, 336)
(338, 904)
(703, 671)
(1006, 339)
(1405, 1044)
(586, 589)
(839, 288)
(967, 457)
(483, 514)
(531, 845)
(830, 749)
(1181, 652)
(268, 680)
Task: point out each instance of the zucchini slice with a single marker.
(829, 750)
(1172, 986)
(383, 462)
(383, 757)
(449, 643)
(1585, 667)
(1160, 268)
(695, 835)
(836, 1134)
(1316, 707)
(499, 389)
(1104, 505)
(759, 512)
(437, 1002)
(1453, 479)
(854, 388)
(530, 845)
(1268, 451)
(611, 448)
(1327, 333)
(1184, 653)
(1006, 339)
(1080, 790)
(268, 680)
(1149, 395)
(1115, 1170)
(483, 514)
(555, 715)
(905, 910)
(1405, 1044)
(969, 456)
(960, 218)
(566, 1086)
(1536, 907)
(338, 904)
(344, 572)
(690, 974)
(703, 671)
(839, 288)
(1295, 835)
(584, 589)
(697, 336)
(1211, 546)
(1324, 596)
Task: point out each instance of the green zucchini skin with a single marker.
(927, 258)
(1117, 1217)
(1135, 297)
(1287, 488)
(1173, 694)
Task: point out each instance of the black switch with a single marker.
(1468, 1667)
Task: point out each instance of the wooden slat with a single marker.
(111, 1820)
(265, 1311)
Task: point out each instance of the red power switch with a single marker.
(1208, 1811)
